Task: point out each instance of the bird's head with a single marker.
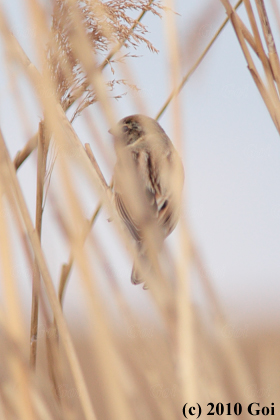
(131, 128)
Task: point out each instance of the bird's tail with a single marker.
(141, 270)
(136, 278)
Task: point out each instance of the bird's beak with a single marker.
(110, 131)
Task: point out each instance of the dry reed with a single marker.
(109, 370)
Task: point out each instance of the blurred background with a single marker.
(230, 151)
(231, 203)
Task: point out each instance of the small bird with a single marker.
(148, 181)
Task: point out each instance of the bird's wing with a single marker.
(125, 216)
(158, 198)
(163, 191)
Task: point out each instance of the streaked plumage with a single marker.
(148, 180)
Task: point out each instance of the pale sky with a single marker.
(231, 157)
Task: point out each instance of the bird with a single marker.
(147, 184)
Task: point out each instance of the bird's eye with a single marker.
(125, 128)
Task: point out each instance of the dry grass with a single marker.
(121, 365)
